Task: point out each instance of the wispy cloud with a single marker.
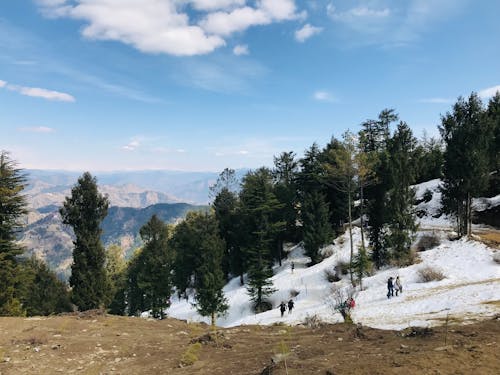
(390, 22)
(37, 129)
(436, 100)
(306, 32)
(489, 92)
(324, 96)
(38, 92)
(132, 145)
(170, 26)
(241, 49)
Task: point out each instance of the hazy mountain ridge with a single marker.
(49, 239)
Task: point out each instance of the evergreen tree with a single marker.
(116, 271)
(316, 230)
(12, 209)
(185, 243)
(493, 115)
(84, 211)
(210, 300)
(285, 188)
(260, 211)
(42, 293)
(401, 197)
(361, 265)
(428, 159)
(467, 134)
(155, 276)
(225, 205)
(373, 140)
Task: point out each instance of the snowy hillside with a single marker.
(472, 280)
(470, 289)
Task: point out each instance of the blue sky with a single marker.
(201, 85)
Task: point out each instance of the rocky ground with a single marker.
(94, 343)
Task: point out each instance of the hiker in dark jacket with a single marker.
(390, 288)
(290, 306)
(282, 308)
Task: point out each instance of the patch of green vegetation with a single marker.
(190, 356)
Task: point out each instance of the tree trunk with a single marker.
(361, 220)
(350, 237)
(241, 279)
(212, 318)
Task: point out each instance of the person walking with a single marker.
(290, 306)
(390, 287)
(293, 266)
(282, 308)
(398, 286)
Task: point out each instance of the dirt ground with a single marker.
(103, 344)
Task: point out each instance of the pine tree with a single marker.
(156, 259)
(12, 209)
(210, 300)
(400, 212)
(116, 272)
(260, 211)
(84, 211)
(285, 188)
(361, 265)
(42, 293)
(493, 116)
(373, 140)
(467, 134)
(316, 227)
(225, 205)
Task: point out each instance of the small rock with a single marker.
(183, 333)
(55, 347)
(403, 346)
(6, 359)
(118, 359)
(443, 348)
(36, 349)
(340, 339)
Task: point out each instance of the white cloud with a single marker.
(306, 32)
(489, 92)
(2, 83)
(166, 26)
(40, 93)
(436, 100)
(216, 4)
(132, 145)
(324, 96)
(37, 129)
(356, 13)
(241, 49)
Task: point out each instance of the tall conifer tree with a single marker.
(12, 209)
(84, 211)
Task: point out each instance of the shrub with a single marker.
(313, 321)
(342, 267)
(332, 276)
(427, 197)
(190, 356)
(428, 241)
(294, 293)
(430, 274)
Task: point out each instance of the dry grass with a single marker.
(428, 274)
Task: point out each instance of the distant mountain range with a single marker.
(134, 197)
(47, 237)
(126, 189)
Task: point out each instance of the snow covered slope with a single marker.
(470, 289)
(470, 286)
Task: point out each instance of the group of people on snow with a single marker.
(283, 306)
(394, 286)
